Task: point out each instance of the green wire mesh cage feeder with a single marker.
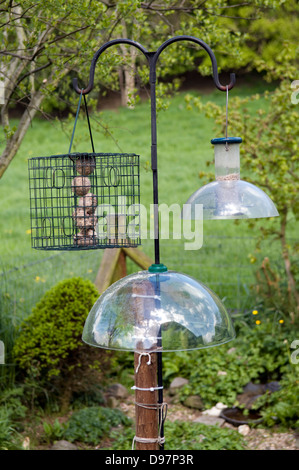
(84, 200)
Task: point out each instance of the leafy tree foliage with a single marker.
(42, 42)
(269, 157)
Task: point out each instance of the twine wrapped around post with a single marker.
(147, 416)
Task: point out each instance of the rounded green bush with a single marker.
(49, 340)
(90, 425)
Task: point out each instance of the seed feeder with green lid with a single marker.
(229, 197)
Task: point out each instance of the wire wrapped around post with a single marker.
(149, 423)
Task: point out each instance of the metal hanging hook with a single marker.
(152, 58)
(226, 119)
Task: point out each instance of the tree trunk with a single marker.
(127, 82)
(128, 71)
(14, 142)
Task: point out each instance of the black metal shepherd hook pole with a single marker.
(152, 58)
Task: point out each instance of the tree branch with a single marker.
(32, 72)
(19, 17)
(13, 143)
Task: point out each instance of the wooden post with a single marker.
(121, 267)
(113, 265)
(112, 268)
(147, 419)
(139, 257)
(145, 367)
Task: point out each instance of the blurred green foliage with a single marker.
(261, 353)
(90, 425)
(51, 335)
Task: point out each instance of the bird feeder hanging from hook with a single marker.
(82, 201)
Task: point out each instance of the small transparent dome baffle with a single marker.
(229, 197)
(158, 310)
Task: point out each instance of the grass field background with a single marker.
(223, 263)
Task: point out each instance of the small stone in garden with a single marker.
(231, 351)
(176, 384)
(215, 410)
(220, 406)
(117, 391)
(209, 420)
(244, 429)
(112, 402)
(63, 445)
(26, 443)
(81, 185)
(194, 401)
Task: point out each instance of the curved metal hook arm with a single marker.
(96, 57)
(153, 57)
(208, 50)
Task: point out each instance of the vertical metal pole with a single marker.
(154, 164)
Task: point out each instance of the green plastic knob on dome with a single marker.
(157, 268)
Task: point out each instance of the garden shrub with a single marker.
(49, 347)
(90, 425)
(281, 407)
(6, 429)
(182, 435)
(11, 399)
(11, 412)
(259, 354)
(272, 290)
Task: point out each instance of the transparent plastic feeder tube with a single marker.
(227, 159)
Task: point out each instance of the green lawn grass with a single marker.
(183, 148)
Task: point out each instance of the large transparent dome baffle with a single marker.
(158, 311)
(229, 197)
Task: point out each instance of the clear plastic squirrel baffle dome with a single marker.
(166, 311)
(230, 200)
